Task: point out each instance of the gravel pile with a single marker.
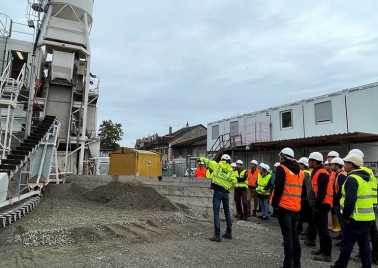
(129, 197)
(51, 238)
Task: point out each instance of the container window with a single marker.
(323, 112)
(215, 132)
(287, 119)
(234, 128)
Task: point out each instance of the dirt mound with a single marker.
(129, 196)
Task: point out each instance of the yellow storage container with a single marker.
(131, 162)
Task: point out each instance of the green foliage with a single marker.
(110, 134)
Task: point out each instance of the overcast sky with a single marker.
(163, 63)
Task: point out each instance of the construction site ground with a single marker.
(132, 225)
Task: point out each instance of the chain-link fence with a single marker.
(180, 168)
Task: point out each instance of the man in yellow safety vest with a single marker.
(357, 205)
(223, 179)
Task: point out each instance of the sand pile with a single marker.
(129, 196)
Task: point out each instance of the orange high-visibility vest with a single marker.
(252, 177)
(328, 199)
(292, 195)
(337, 186)
(200, 172)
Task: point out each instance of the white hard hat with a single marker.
(202, 163)
(265, 166)
(357, 152)
(239, 162)
(356, 159)
(226, 157)
(233, 165)
(287, 152)
(255, 162)
(333, 154)
(303, 161)
(277, 164)
(338, 161)
(316, 156)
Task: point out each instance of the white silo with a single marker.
(68, 22)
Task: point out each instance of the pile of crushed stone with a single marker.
(116, 195)
(129, 196)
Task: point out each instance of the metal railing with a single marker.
(5, 76)
(5, 25)
(226, 141)
(9, 91)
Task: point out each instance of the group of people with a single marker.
(307, 190)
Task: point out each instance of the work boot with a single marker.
(316, 252)
(215, 239)
(322, 258)
(227, 236)
(336, 228)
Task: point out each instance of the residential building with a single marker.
(178, 149)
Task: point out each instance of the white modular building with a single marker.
(341, 120)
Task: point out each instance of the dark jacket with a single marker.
(242, 178)
(280, 178)
(351, 188)
(337, 196)
(322, 189)
(309, 195)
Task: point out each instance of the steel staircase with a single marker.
(223, 143)
(10, 87)
(21, 154)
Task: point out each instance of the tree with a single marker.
(110, 134)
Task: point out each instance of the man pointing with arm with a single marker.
(223, 179)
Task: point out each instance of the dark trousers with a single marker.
(355, 232)
(374, 240)
(311, 231)
(321, 222)
(337, 209)
(218, 198)
(289, 223)
(241, 202)
(306, 215)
